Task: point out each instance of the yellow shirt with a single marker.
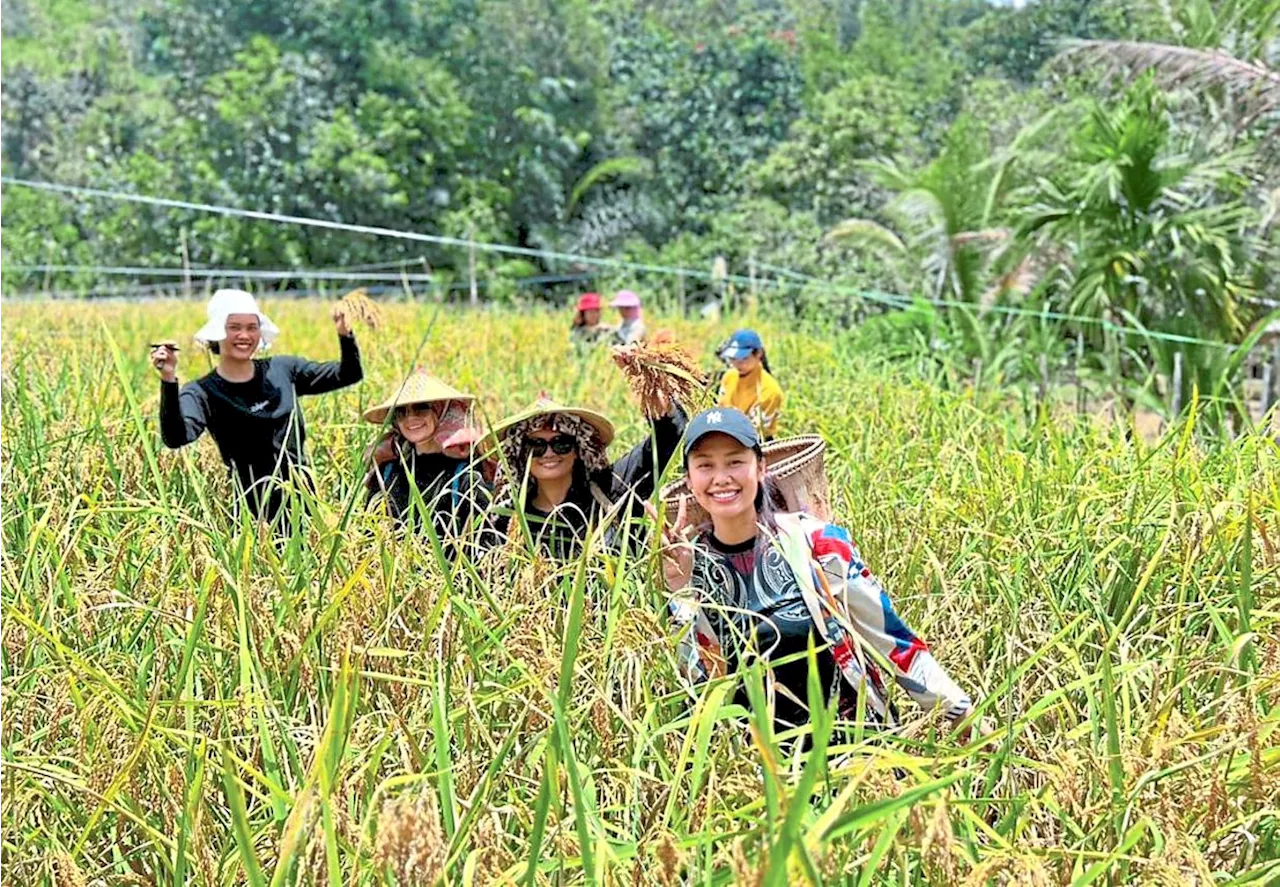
(759, 396)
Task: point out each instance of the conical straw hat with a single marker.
(545, 406)
(419, 387)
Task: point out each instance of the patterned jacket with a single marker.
(812, 574)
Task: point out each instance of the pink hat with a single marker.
(625, 299)
(589, 302)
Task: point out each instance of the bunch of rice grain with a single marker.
(356, 306)
(662, 373)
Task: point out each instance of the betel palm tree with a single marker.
(950, 216)
(1152, 224)
(1224, 49)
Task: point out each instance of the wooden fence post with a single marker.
(1175, 392)
(1079, 381)
(186, 263)
(1275, 374)
(471, 267)
(1267, 381)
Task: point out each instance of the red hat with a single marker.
(589, 302)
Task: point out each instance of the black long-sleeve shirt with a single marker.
(257, 424)
(563, 531)
(452, 490)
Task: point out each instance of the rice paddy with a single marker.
(187, 701)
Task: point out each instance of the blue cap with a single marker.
(741, 344)
(721, 420)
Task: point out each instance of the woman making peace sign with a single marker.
(760, 582)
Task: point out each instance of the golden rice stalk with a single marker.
(356, 306)
(661, 373)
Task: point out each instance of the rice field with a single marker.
(186, 701)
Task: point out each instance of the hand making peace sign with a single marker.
(677, 547)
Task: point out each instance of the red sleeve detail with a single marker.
(824, 545)
(902, 655)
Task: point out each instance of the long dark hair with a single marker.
(764, 360)
(579, 486)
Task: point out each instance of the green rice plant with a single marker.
(187, 700)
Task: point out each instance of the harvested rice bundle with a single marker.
(661, 373)
(357, 306)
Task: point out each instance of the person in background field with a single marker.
(428, 447)
(749, 386)
(571, 483)
(631, 329)
(752, 582)
(587, 329)
(250, 403)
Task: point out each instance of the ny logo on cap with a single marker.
(714, 418)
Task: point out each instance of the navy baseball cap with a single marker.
(721, 420)
(741, 344)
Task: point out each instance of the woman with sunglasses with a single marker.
(554, 456)
(423, 464)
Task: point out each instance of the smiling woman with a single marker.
(767, 582)
(249, 403)
(570, 483)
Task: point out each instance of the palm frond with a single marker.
(637, 167)
(1256, 86)
(866, 233)
(887, 173)
(1271, 209)
(1017, 282)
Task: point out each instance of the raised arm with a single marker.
(183, 414)
(874, 618)
(319, 377)
(637, 470)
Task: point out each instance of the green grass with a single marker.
(185, 702)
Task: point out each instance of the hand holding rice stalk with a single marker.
(661, 373)
(356, 306)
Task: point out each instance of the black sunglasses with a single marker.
(561, 445)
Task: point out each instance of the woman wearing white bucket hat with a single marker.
(249, 403)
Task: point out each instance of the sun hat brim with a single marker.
(598, 421)
(417, 388)
(223, 304)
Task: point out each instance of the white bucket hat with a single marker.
(225, 303)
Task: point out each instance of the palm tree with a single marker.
(1151, 231)
(1229, 48)
(949, 216)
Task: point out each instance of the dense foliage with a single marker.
(966, 153)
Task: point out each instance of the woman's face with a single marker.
(416, 422)
(748, 364)
(545, 464)
(244, 335)
(724, 477)
(591, 316)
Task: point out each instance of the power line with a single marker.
(893, 300)
(246, 273)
